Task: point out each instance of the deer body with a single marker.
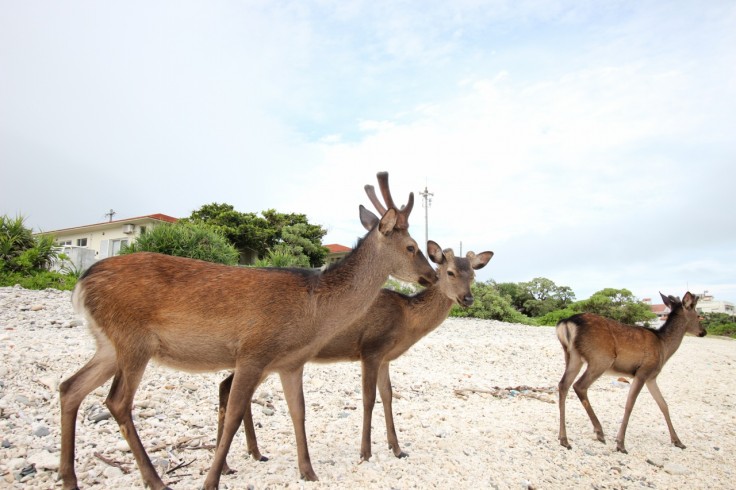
(198, 316)
(390, 327)
(638, 352)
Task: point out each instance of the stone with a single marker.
(41, 431)
(45, 460)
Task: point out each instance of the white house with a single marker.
(89, 243)
(708, 304)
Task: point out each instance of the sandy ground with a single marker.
(460, 431)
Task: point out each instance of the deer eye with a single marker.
(410, 249)
(450, 273)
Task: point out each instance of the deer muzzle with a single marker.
(466, 300)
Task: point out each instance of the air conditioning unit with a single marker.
(128, 229)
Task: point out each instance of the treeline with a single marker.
(541, 302)
(218, 233)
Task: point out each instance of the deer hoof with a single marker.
(564, 443)
(310, 476)
(402, 455)
(680, 445)
(621, 449)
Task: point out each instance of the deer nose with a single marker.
(468, 300)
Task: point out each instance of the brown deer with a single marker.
(198, 316)
(609, 346)
(393, 324)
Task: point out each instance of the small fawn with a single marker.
(609, 346)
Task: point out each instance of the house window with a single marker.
(81, 242)
(64, 243)
(142, 230)
(117, 245)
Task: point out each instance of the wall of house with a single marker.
(104, 240)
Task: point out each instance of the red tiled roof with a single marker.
(156, 216)
(337, 248)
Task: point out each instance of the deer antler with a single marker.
(404, 211)
(371, 191)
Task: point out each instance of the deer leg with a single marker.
(657, 395)
(385, 390)
(72, 392)
(581, 389)
(120, 403)
(369, 376)
(636, 385)
(294, 394)
(573, 364)
(243, 385)
(250, 431)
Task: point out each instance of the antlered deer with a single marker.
(639, 352)
(391, 326)
(199, 316)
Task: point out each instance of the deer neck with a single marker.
(428, 309)
(348, 288)
(672, 332)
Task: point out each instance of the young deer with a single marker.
(607, 345)
(198, 316)
(393, 324)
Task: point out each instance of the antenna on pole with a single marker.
(110, 214)
(426, 203)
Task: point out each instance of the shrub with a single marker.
(553, 317)
(491, 305)
(282, 258)
(20, 251)
(38, 280)
(192, 240)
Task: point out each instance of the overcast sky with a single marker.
(592, 143)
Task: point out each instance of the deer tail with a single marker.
(566, 330)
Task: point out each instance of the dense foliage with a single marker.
(541, 302)
(268, 237)
(720, 324)
(25, 259)
(489, 303)
(192, 240)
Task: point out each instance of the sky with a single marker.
(591, 143)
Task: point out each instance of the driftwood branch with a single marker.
(110, 462)
(511, 391)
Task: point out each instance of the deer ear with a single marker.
(666, 300)
(388, 221)
(480, 260)
(435, 252)
(368, 219)
(689, 301)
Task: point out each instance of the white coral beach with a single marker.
(459, 430)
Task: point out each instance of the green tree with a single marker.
(617, 304)
(542, 296)
(516, 293)
(720, 324)
(271, 234)
(248, 232)
(490, 304)
(192, 240)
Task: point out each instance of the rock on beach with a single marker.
(475, 407)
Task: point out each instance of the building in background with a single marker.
(708, 304)
(336, 253)
(86, 244)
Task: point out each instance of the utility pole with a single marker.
(110, 214)
(426, 202)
